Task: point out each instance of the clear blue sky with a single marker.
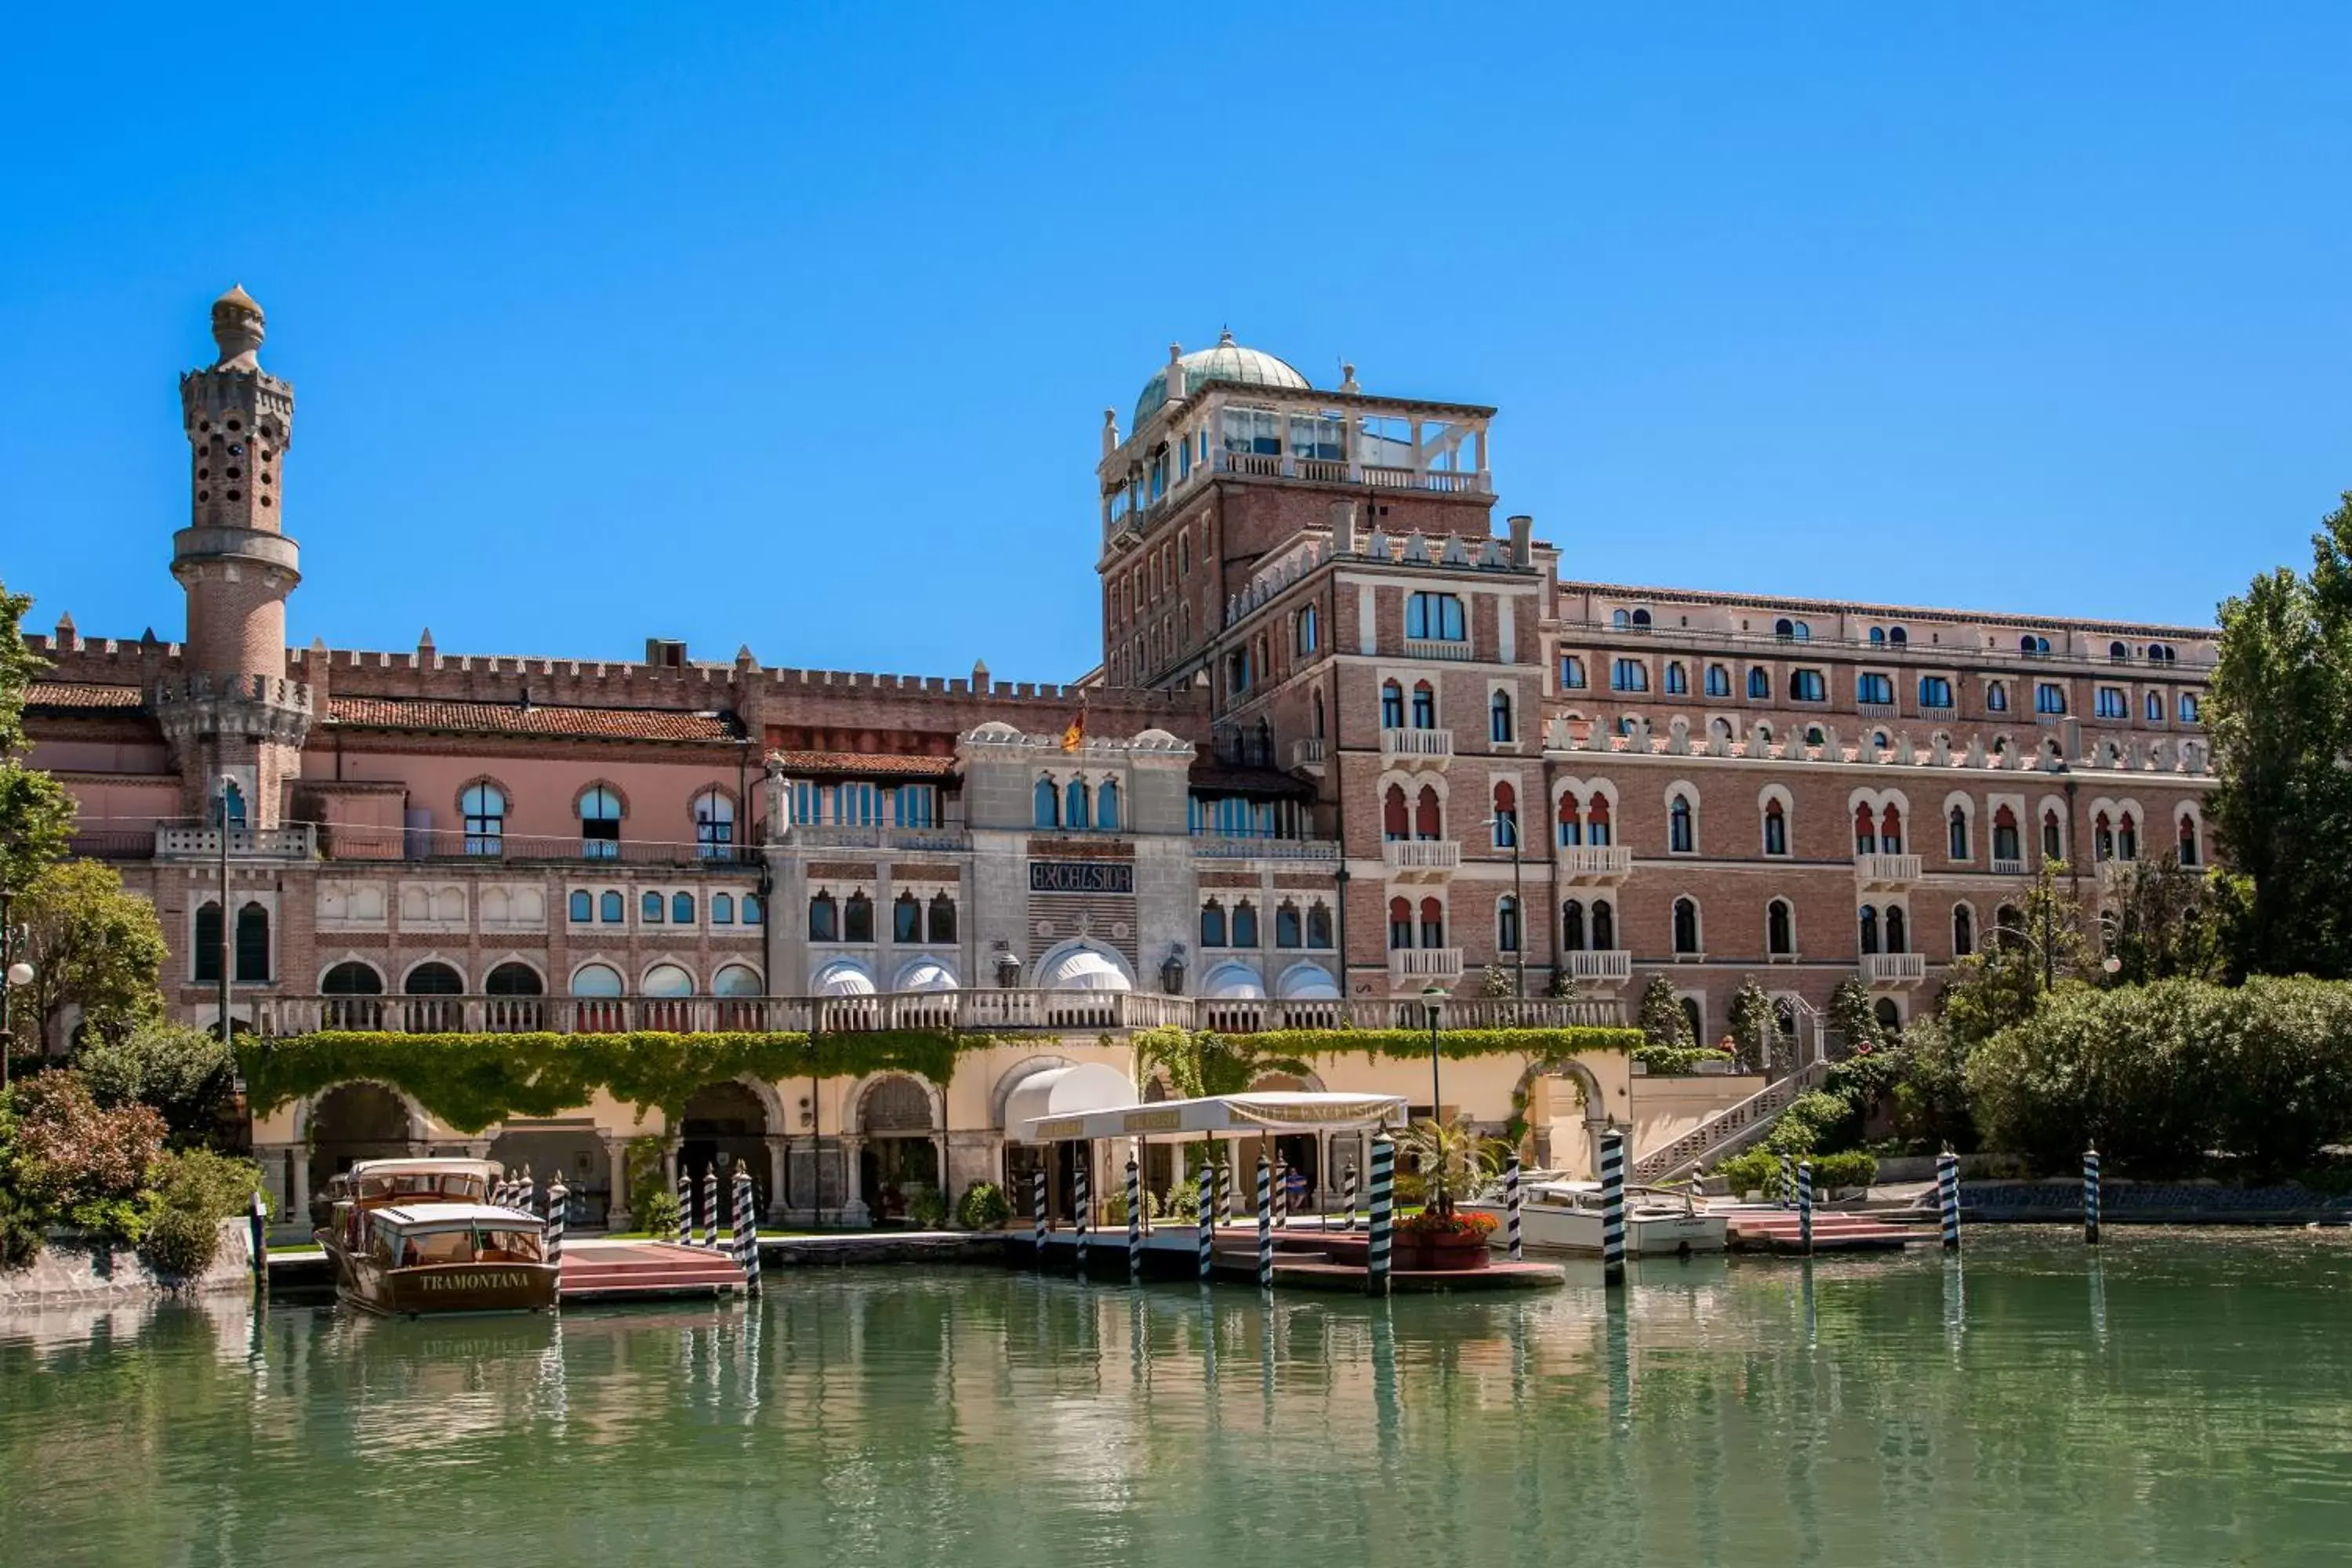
(796, 331)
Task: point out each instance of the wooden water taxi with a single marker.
(1560, 1215)
(412, 1236)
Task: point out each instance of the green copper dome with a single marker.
(1227, 362)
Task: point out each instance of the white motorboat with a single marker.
(1556, 1215)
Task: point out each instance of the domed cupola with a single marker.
(1229, 361)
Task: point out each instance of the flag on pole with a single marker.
(1076, 735)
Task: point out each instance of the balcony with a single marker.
(1613, 966)
(1417, 748)
(1423, 964)
(1886, 871)
(1417, 859)
(2004, 867)
(297, 841)
(1894, 968)
(1206, 847)
(1306, 756)
(1438, 648)
(420, 844)
(839, 836)
(1593, 862)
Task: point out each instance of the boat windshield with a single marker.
(421, 1184)
(463, 1244)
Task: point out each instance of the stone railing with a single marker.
(1593, 862)
(1729, 1130)
(1416, 745)
(296, 841)
(1425, 964)
(1894, 968)
(356, 843)
(1210, 846)
(1461, 651)
(1600, 966)
(1411, 854)
(1886, 871)
(836, 836)
(980, 1011)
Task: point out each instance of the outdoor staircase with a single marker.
(1733, 1129)
(645, 1270)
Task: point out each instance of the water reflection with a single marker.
(2175, 1400)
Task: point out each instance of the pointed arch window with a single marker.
(1596, 821)
(2005, 846)
(1682, 837)
(1571, 824)
(1106, 806)
(906, 919)
(1963, 931)
(208, 942)
(2188, 841)
(1869, 927)
(1498, 717)
(1760, 684)
(1506, 817)
(1428, 816)
(824, 917)
(1287, 931)
(1319, 716)
(1047, 803)
(2102, 837)
(2127, 837)
(1074, 805)
(1719, 681)
(1318, 924)
(2053, 842)
(1955, 834)
(942, 918)
(1391, 706)
(1890, 831)
(1396, 818)
(1686, 926)
(1507, 925)
(1776, 829)
(1571, 926)
(857, 918)
(1779, 929)
(1213, 924)
(1424, 706)
(1677, 679)
(1244, 924)
(1865, 831)
(1399, 925)
(1898, 938)
(1604, 926)
(1432, 924)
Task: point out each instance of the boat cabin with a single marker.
(373, 1182)
(443, 1233)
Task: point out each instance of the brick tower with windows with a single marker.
(230, 711)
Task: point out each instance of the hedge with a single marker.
(1758, 1170)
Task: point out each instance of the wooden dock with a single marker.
(597, 1272)
(1305, 1259)
(1835, 1230)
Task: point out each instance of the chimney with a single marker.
(66, 636)
(1523, 529)
(1343, 528)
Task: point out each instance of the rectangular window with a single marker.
(1629, 675)
(2113, 703)
(1871, 686)
(915, 806)
(1808, 686)
(1571, 672)
(1434, 617)
(2049, 697)
(1935, 691)
(1253, 431)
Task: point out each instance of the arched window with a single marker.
(1869, 927)
(1213, 924)
(736, 980)
(1677, 679)
(484, 807)
(2102, 838)
(942, 918)
(1695, 1015)
(1955, 834)
(1776, 829)
(1779, 929)
(1877, 636)
(1428, 817)
(228, 805)
(714, 825)
(1784, 627)
(1963, 931)
(512, 980)
(2004, 836)
(649, 908)
(722, 908)
(857, 918)
(668, 980)
(1399, 925)
(2155, 708)
(1244, 924)
(1604, 927)
(1107, 806)
(1307, 630)
(1318, 924)
(1865, 831)
(599, 824)
(2127, 837)
(1073, 804)
(1572, 826)
(1719, 681)
(681, 909)
(1685, 926)
(1995, 697)
(906, 919)
(1571, 926)
(1319, 716)
(2188, 840)
(433, 980)
(1285, 925)
(610, 909)
(1890, 831)
(1507, 925)
(596, 980)
(1571, 672)
(1506, 817)
(1641, 620)
(1391, 706)
(1889, 1017)
(1432, 924)
(1396, 819)
(582, 906)
(1424, 706)
(825, 917)
(1596, 821)
(752, 912)
(1682, 837)
(1620, 620)
(1898, 938)
(1760, 684)
(2053, 843)
(252, 942)
(1498, 717)
(352, 979)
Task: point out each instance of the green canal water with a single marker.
(2175, 1399)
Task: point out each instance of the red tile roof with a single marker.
(865, 765)
(79, 694)
(513, 719)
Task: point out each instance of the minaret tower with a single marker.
(231, 709)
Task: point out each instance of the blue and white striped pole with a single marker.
(1383, 1195)
(2091, 1196)
(1037, 1213)
(1225, 1188)
(1348, 1186)
(1205, 1232)
(746, 1229)
(1085, 1202)
(685, 1208)
(1805, 1206)
(1134, 1221)
(1264, 1223)
(1948, 1197)
(558, 1200)
(710, 1205)
(1612, 1207)
(526, 1197)
(1511, 1208)
(1282, 1193)
(1788, 1182)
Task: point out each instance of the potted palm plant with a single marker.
(1455, 1161)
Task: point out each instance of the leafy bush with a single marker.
(1677, 1061)
(1758, 1170)
(20, 1235)
(1815, 1122)
(656, 1214)
(1429, 1222)
(72, 1160)
(208, 1185)
(984, 1206)
(185, 1073)
(178, 1244)
(1407, 1189)
(927, 1208)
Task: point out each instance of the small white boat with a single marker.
(1556, 1215)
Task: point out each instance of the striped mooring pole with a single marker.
(559, 1204)
(1134, 1221)
(746, 1229)
(1085, 1203)
(256, 1219)
(1511, 1209)
(1612, 1207)
(1226, 1189)
(1348, 1186)
(685, 1207)
(1805, 1206)
(1383, 1195)
(1281, 1194)
(525, 1196)
(710, 1205)
(1948, 1197)
(1788, 1182)
(1037, 1213)
(1204, 1232)
(1264, 1223)
(2091, 1196)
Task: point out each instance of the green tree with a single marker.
(185, 1073)
(1661, 1014)
(1850, 1014)
(35, 813)
(93, 946)
(2170, 921)
(2280, 712)
(1931, 1093)
(2042, 943)
(1755, 1025)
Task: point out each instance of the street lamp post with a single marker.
(1433, 997)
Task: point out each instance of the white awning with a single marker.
(1236, 1115)
(1306, 983)
(1082, 968)
(926, 974)
(842, 977)
(1233, 983)
(1065, 1091)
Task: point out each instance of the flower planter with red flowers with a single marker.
(1429, 1242)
